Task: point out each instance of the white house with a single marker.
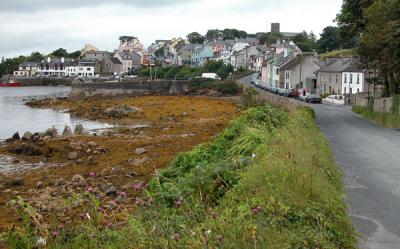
(62, 68)
(353, 80)
(27, 69)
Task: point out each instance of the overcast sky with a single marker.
(45, 25)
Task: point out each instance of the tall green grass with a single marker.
(267, 181)
(391, 120)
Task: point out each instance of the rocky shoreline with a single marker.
(54, 170)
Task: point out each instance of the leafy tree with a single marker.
(306, 42)
(351, 19)
(74, 55)
(269, 38)
(379, 46)
(61, 52)
(214, 34)
(35, 57)
(332, 39)
(195, 38)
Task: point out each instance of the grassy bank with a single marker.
(267, 181)
(389, 120)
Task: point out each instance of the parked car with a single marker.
(281, 91)
(289, 93)
(313, 98)
(213, 76)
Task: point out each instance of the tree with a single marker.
(195, 38)
(35, 57)
(351, 19)
(269, 38)
(306, 42)
(332, 39)
(214, 34)
(61, 52)
(74, 55)
(379, 46)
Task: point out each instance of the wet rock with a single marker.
(140, 161)
(60, 182)
(120, 111)
(67, 132)
(39, 184)
(110, 190)
(78, 180)
(140, 151)
(17, 182)
(51, 132)
(27, 136)
(116, 170)
(75, 146)
(92, 144)
(73, 155)
(90, 161)
(79, 129)
(16, 136)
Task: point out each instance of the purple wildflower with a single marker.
(150, 201)
(91, 174)
(256, 210)
(138, 186)
(176, 237)
(89, 189)
(55, 234)
(178, 202)
(138, 201)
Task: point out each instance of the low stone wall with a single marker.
(288, 104)
(383, 105)
(39, 81)
(134, 88)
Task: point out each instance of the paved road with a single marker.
(369, 156)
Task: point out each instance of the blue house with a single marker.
(201, 55)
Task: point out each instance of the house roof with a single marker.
(125, 55)
(114, 60)
(337, 65)
(30, 64)
(355, 66)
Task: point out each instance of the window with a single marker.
(358, 78)
(337, 78)
(345, 78)
(351, 79)
(345, 90)
(89, 69)
(358, 90)
(277, 71)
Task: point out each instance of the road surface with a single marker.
(369, 157)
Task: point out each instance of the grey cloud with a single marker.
(37, 5)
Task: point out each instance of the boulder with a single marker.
(75, 146)
(92, 144)
(120, 111)
(51, 132)
(67, 132)
(27, 136)
(110, 190)
(140, 151)
(72, 156)
(16, 136)
(78, 181)
(17, 182)
(79, 129)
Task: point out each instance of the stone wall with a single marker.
(288, 104)
(380, 104)
(134, 88)
(39, 81)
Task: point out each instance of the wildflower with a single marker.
(176, 237)
(122, 194)
(138, 186)
(256, 210)
(91, 174)
(253, 155)
(54, 234)
(138, 201)
(178, 202)
(214, 215)
(150, 201)
(89, 189)
(219, 238)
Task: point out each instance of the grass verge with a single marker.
(267, 181)
(389, 120)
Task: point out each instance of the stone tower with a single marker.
(275, 27)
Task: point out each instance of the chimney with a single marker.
(48, 59)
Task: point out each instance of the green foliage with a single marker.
(226, 87)
(332, 39)
(195, 38)
(338, 53)
(391, 120)
(249, 97)
(258, 185)
(61, 52)
(351, 19)
(306, 42)
(269, 38)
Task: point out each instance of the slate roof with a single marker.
(114, 60)
(336, 65)
(354, 67)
